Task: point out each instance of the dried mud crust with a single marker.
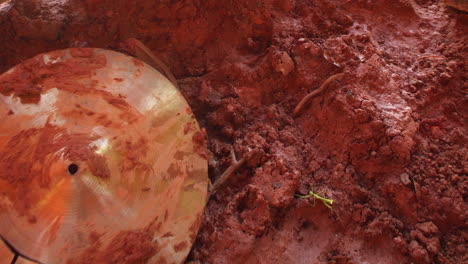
(387, 141)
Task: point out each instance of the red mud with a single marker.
(31, 149)
(28, 78)
(387, 141)
(126, 247)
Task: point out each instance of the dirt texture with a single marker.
(387, 141)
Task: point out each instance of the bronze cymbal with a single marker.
(101, 161)
(6, 255)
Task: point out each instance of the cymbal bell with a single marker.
(101, 159)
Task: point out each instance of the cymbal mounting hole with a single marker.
(72, 169)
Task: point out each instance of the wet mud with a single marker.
(387, 141)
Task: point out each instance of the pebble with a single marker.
(283, 63)
(404, 178)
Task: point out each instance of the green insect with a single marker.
(327, 202)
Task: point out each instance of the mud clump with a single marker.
(387, 141)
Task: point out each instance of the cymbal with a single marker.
(6, 256)
(101, 161)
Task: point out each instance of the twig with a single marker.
(144, 53)
(417, 189)
(229, 171)
(316, 92)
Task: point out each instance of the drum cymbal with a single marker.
(101, 161)
(6, 256)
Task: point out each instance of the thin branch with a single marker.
(229, 171)
(144, 53)
(316, 92)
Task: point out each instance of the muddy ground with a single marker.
(387, 141)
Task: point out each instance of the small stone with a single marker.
(428, 228)
(276, 185)
(452, 65)
(454, 179)
(418, 253)
(436, 132)
(344, 20)
(433, 245)
(255, 157)
(400, 244)
(444, 78)
(405, 179)
(283, 63)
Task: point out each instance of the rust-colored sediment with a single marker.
(388, 142)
